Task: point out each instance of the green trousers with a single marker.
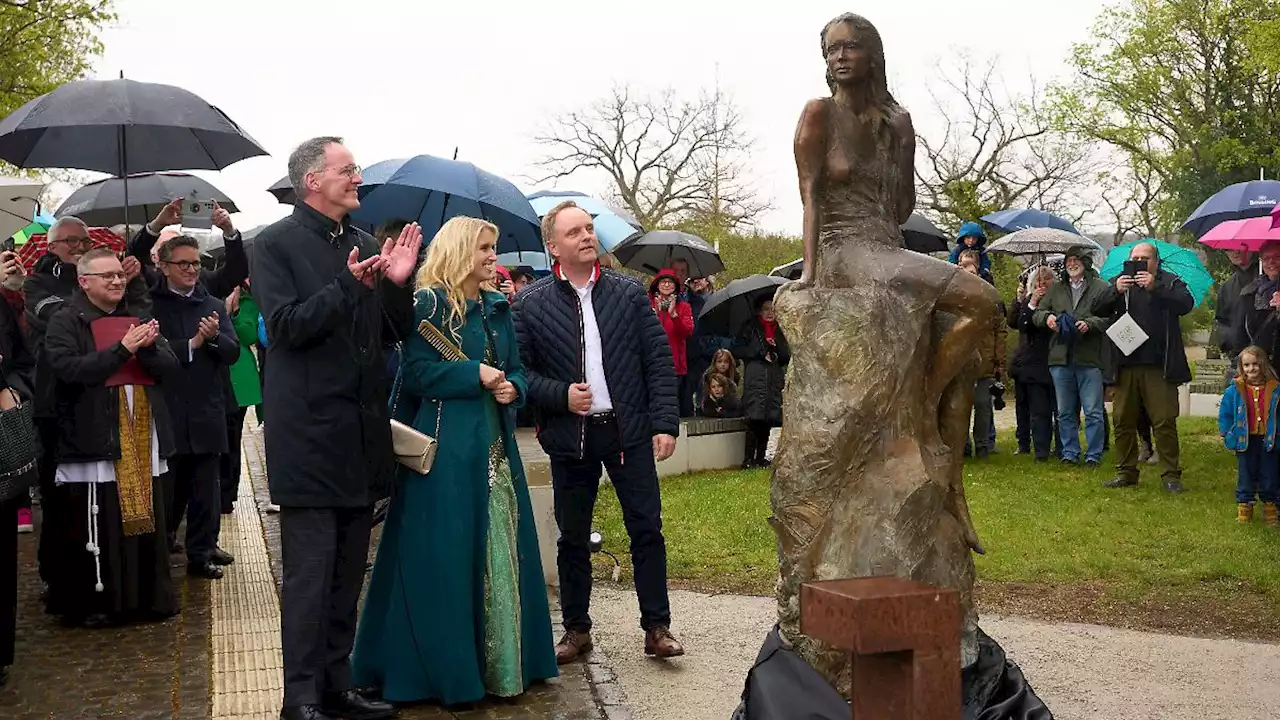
(1144, 386)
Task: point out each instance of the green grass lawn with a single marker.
(1058, 544)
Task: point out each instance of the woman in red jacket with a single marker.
(675, 315)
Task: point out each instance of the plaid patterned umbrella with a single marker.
(29, 253)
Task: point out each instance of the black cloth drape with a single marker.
(782, 686)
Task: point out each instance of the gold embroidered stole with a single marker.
(133, 469)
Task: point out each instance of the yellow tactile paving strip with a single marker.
(248, 681)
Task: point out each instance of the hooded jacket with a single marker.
(974, 230)
(679, 328)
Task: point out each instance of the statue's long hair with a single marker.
(882, 101)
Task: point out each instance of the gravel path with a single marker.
(1082, 672)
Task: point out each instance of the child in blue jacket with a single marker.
(1247, 423)
(972, 237)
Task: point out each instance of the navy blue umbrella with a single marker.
(430, 190)
(1234, 202)
(1015, 219)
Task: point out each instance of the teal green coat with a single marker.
(421, 630)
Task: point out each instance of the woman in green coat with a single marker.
(246, 390)
(457, 605)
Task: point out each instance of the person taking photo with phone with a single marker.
(1149, 376)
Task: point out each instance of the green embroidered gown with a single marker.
(457, 605)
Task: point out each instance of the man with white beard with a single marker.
(1079, 312)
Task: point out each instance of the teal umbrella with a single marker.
(1181, 261)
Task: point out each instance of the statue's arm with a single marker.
(811, 153)
(906, 195)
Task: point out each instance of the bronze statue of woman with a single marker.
(867, 480)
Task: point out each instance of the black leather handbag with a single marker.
(18, 447)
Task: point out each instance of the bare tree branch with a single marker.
(997, 150)
(668, 159)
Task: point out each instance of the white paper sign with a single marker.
(1126, 334)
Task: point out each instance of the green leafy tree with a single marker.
(44, 44)
(1187, 90)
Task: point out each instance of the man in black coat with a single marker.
(120, 547)
(1149, 376)
(1232, 303)
(331, 303)
(48, 288)
(198, 326)
(601, 375)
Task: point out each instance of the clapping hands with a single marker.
(207, 331)
(496, 382)
(140, 336)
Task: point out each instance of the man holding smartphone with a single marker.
(1149, 376)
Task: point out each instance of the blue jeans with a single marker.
(1258, 473)
(1078, 386)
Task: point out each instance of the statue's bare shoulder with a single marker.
(814, 120)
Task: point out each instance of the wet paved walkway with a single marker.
(219, 659)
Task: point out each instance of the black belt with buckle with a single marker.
(603, 418)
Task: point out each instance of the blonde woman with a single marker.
(457, 607)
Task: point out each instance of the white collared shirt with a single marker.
(593, 349)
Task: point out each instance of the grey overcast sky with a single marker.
(400, 78)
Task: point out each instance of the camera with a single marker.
(997, 395)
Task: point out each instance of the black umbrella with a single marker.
(656, 249)
(790, 271)
(922, 236)
(123, 127)
(730, 307)
(102, 203)
(284, 192)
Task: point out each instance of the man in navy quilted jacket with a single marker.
(601, 376)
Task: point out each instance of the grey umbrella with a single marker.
(657, 249)
(123, 127)
(102, 203)
(1042, 241)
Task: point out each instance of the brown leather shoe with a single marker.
(572, 645)
(660, 643)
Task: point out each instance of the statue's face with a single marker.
(847, 58)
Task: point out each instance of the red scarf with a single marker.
(770, 329)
